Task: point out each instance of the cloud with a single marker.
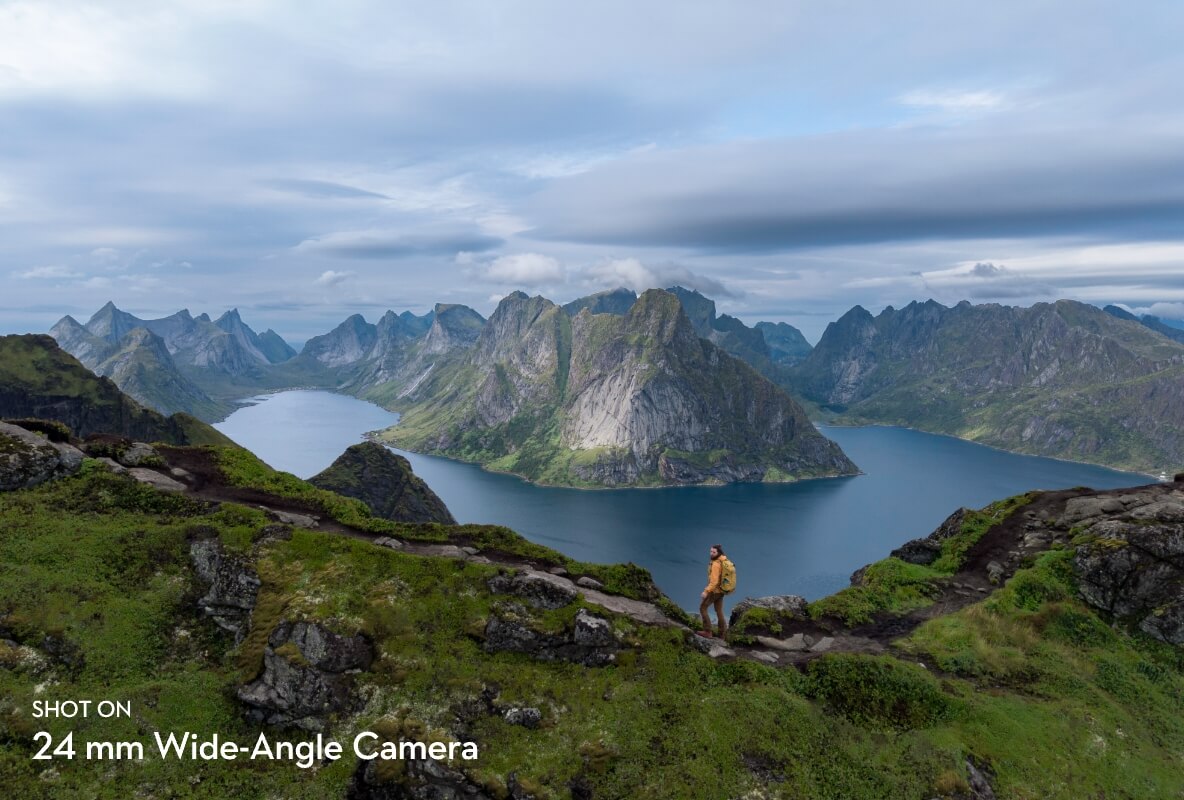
(524, 269)
(953, 100)
(319, 189)
(873, 186)
(47, 272)
(1172, 311)
(332, 278)
(985, 269)
(368, 244)
(632, 274)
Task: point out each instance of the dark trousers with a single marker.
(716, 599)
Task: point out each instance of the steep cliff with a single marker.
(606, 399)
(1062, 379)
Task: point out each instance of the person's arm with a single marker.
(713, 577)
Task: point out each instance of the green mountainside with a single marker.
(604, 400)
(1008, 654)
(1063, 379)
(40, 380)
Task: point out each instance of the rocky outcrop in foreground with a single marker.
(306, 675)
(28, 459)
(1132, 562)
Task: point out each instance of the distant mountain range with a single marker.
(177, 362)
(657, 396)
(1064, 379)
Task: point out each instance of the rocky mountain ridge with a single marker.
(608, 399)
(1063, 379)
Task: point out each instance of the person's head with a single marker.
(716, 551)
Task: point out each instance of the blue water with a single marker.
(805, 538)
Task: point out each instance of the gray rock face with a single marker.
(787, 605)
(539, 590)
(233, 586)
(1134, 567)
(27, 459)
(591, 641)
(305, 675)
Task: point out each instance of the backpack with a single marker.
(727, 575)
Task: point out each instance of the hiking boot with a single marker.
(723, 633)
(707, 634)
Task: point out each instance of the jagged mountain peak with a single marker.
(610, 301)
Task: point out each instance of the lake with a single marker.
(804, 538)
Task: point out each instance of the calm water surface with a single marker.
(805, 538)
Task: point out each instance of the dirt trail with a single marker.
(1005, 548)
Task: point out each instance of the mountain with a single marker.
(604, 399)
(1063, 379)
(39, 379)
(203, 367)
(1154, 323)
(140, 365)
(385, 482)
(786, 343)
(269, 347)
(613, 301)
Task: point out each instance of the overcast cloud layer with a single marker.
(790, 159)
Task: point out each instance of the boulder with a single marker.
(526, 717)
(541, 590)
(137, 454)
(155, 479)
(28, 459)
(786, 605)
(589, 583)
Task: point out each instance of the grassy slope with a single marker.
(1059, 703)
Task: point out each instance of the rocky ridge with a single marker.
(1063, 379)
(603, 399)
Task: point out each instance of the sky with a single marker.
(790, 159)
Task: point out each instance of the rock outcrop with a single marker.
(385, 482)
(590, 641)
(1132, 564)
(232, 585)
(926, 550)
(306, 675)
(28, 459)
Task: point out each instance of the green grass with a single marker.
(894, 586)
(1073, 707)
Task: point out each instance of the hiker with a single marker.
(721, 580)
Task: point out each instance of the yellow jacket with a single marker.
(715, 571)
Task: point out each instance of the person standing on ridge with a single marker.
(721, 580)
